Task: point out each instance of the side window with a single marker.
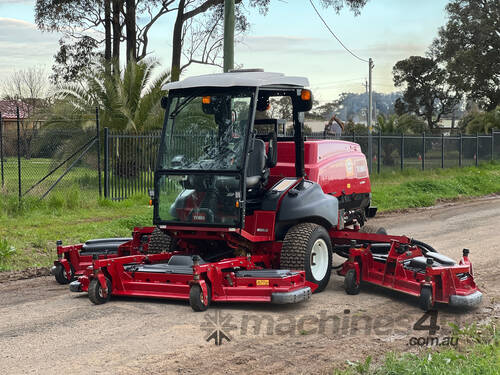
(278, 108)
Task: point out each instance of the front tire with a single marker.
(96, 292)
(196, 299)
(307, 247)
(350, 282)
(62, 276)
(425, 300)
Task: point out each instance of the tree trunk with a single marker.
(131, 32)
(175, 70)
(117, 5)
(107, 34)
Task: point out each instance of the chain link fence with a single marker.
(59, 163)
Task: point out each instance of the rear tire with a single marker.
(95, 291)
(307, 247)
(62, 276)
(196, 299)
(159, 242)
(425, 300)
(350, 283)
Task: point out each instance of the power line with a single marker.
(335, 36)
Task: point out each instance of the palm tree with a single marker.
(128, 100)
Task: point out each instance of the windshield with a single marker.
(206, 132)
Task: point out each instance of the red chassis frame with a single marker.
(444, 282)
(76, 264)
(226, 286)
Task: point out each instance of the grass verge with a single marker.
(478, 352)
(28, 233)
(414, 188)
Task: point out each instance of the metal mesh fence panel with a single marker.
(388, 150)
(54, 162)
(484, 148)
(451, 151)
(468, 150)
(496, 145)
(412, 152)
(132, 161)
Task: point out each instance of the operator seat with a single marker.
(257, 169)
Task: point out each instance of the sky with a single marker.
(290, 39)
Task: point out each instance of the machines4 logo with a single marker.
(217, 327)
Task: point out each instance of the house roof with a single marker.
(8, 109)
(246, 79)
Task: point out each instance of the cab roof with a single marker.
(242, 79)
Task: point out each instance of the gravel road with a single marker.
(44, 328)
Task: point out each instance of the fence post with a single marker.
(1, 148)
(353, 136)
(379, 146)
(106, 162)
(19, 153)
(402, 151)
(492, 143)
(477, 149)
(442, 150)
(460, 146)
(423, 151)
(98, 138)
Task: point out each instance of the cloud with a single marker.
(23, 45)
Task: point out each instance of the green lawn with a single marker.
(415, 188)
(33, 230)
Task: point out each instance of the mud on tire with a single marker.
(159, 242)
(298, 252)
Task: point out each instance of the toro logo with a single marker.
(199, 217)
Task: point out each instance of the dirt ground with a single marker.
(44, 328)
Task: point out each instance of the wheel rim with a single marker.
(202, 300)
(319, 259)
(101, 294)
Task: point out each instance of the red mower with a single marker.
(73, 260)
(248, 213)
(411, 267)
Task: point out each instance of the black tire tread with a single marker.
(425, 299)
(94, 296)
(350, 284)
(59, 275)
(159, 242)
(295, 246)
(194, 300)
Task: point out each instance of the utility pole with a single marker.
(366, 88)
(370, 128)
(228, 35)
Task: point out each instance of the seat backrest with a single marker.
(256, 169)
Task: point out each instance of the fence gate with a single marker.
(129, 163)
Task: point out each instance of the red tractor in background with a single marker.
(244, 212)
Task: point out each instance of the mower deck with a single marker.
(172, 276)
(412, 269)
